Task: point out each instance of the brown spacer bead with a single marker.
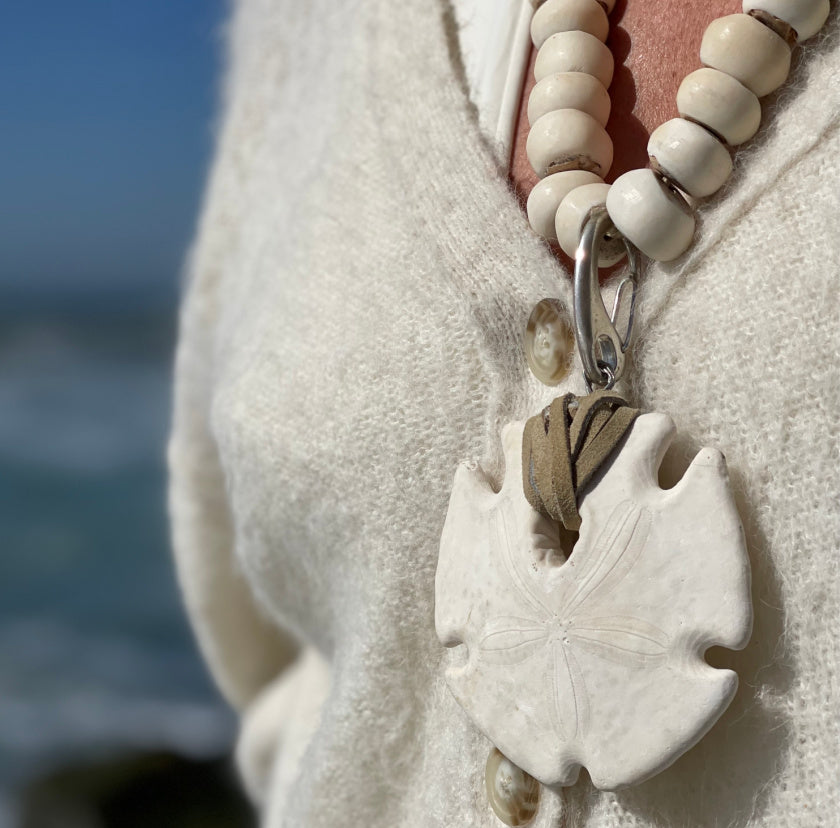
(784, 30)
(577, 162)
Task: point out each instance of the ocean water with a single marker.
(95, 654)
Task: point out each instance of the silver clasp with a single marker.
(602, 349)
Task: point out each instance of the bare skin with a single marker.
(655, 45)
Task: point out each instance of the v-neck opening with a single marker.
(811, 93)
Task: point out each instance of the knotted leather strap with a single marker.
(564, 446)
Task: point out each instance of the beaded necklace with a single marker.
(596, 660)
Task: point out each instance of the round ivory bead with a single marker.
(567, 138)
(805, 17)
(570, 90)
(650, 215)
(513, 794)
(749, 51)
(546, 196)
(571, 214)
(720, 103)
(575, 52)
(568, 16)
(690, 156)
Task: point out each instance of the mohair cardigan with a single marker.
(352, 329)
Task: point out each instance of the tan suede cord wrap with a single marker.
(565, 445)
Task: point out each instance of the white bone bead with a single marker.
(571, 214)
(748, 50)
(690, 156)
(568, 16)
(575, 52)
(721, 103)
(650, 215)
(546, 196)
(806, 17)
(570, 90)
(571, 139)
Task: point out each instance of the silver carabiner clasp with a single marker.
(602, 349)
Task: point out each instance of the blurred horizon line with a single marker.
(19, 304)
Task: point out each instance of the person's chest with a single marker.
(372, 305)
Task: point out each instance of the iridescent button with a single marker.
(513, 794)
(549, 342)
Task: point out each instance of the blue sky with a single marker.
(106, 130)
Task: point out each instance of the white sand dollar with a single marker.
(596, 662)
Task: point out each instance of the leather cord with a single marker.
(564, 446)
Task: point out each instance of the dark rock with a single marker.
(153, 790)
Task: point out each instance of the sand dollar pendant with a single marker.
(593, 661)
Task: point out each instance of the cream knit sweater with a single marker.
(352, 329)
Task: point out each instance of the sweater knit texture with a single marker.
(352, 329)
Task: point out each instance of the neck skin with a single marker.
(655, 45)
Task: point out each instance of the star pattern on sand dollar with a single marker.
(572, 622)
